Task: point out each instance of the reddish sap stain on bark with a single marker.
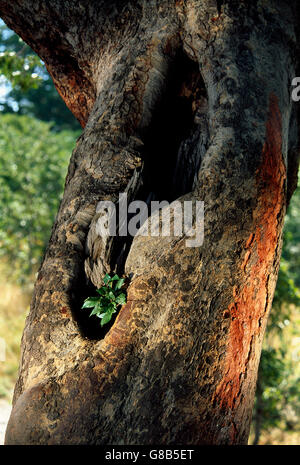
(248, 311)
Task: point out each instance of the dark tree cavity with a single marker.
(186, 100)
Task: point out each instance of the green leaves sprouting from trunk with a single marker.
(109, 299)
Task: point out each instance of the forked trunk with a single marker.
(185, 100)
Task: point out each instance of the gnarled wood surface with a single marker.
(179, 99)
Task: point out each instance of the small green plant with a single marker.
(110, 298)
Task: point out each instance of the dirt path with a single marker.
(5, 409)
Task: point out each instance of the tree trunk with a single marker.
(185, 100)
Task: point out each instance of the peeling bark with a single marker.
(179, 364)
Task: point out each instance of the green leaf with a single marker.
(111, 307)
(106, 318)
(120, 283)
(121, 299)
(102, 290)
(90, 302)
(100, 315)
(96, 310)
(111, 295)
(106, 278)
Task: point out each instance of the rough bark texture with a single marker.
(179, 99)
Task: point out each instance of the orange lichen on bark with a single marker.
(77, 93)
(250, 307)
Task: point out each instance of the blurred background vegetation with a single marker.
(37, 135)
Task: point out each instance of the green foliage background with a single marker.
(277, 403)
(33, 167)
(30, 90)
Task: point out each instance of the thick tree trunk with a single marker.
(180, 99)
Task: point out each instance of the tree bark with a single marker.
(185, 100)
